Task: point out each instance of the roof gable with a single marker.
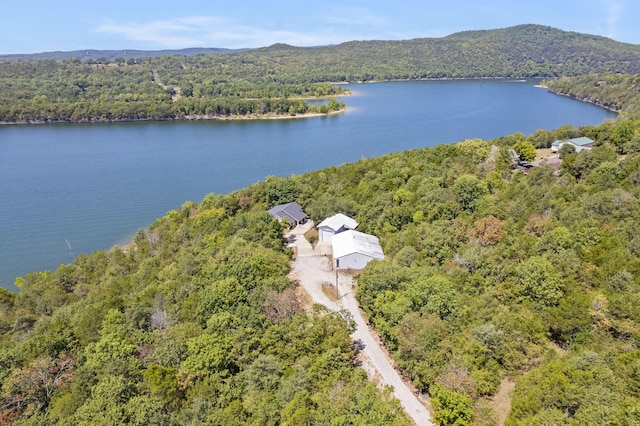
(337, 222)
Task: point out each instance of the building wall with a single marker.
(354, 261)
(324, 235)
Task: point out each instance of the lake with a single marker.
(67, 189)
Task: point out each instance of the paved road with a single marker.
(311, 271)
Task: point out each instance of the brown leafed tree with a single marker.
(487, 231)
(279, 306)
(456, 378)
(29, 389)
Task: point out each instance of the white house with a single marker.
(334, 225)
(353, 249)
(580, 144)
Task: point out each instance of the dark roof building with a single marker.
(292, 211)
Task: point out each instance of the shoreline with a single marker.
(395, 80)
(195, 117)
(271, 116)
(587, 100)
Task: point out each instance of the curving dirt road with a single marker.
(313, 270)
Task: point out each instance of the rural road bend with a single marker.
(311, 271)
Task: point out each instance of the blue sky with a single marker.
(45, 25)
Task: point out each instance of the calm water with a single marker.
(95, 185)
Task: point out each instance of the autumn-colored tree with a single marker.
(487, 231)
(29, 390)
(279, 306)
(456, 378)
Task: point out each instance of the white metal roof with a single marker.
(582, 141)
(338, 221)
(350, 242)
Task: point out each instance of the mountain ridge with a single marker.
(111, 54)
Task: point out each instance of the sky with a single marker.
(44, 25)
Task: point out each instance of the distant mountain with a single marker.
(93, 54)
(520, 51)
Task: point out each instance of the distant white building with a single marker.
(580, 144)
(353, 249)
(335, 225)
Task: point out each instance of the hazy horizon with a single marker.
(40, 26)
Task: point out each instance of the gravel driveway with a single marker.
(311, 271)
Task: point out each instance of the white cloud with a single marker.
(184, 32)
(613, 12)
(211, 31)
(354, 17)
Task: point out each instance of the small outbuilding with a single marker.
(353, 249)
(334, 225)
(292, 211)
(580, 144)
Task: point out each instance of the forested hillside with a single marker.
(493, 274)
(619, 92)
(46, 91)
(521, 51)
(194, 323)
(278, 79)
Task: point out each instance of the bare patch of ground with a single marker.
(543, 153)
(329, 290)
(312, 236)
(176, 89)
(303, 297)
(501, 401)
(557, 349)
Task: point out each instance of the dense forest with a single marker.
(277, 80)
(45, 91)
(491, 276)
